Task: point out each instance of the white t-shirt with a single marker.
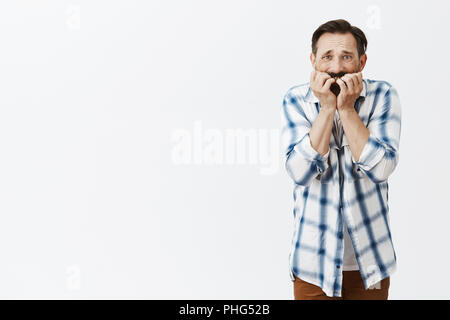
(349, 262)
(349, 253)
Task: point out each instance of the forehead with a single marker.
(336, 42)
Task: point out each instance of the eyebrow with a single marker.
(343, 51)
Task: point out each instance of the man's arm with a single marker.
(320, 132)
(306, 147)
(356, 132)
(375, 149)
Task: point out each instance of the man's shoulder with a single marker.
(376, 87)
(297, 91)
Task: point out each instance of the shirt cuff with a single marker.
(371, 154)
(308, 152)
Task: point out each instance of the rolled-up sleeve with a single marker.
(380, 154)
(302, 162)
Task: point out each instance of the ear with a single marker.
(363, 61)
(312, 57)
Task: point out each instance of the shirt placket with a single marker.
(338, 267)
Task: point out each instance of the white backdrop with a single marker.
(140, 154)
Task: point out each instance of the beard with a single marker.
(334, 86)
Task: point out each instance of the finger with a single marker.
(328, 83)
(352, 79)
(316, 75)
(348, 81)
(359, 77)
(342, 85)
(322, 77)
(357, 81)
(343, 80)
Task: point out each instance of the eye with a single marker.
(348, 56)
(326, 56)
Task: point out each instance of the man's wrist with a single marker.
(345, 112)
(328, 110)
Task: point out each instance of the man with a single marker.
(340, 138)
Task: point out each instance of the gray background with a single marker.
(120, 174)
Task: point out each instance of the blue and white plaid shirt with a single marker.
(334, 186)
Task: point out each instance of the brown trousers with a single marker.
(352, 289)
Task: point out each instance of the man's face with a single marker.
(337, 55)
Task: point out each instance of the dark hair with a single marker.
(340, 26)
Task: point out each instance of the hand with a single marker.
(351, 86)
(320, 83)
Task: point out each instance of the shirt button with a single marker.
(338, 266)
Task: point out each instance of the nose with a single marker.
(335, 66)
